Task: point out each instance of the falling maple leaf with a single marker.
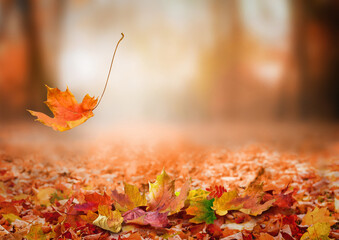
(202, 211)
(68, 113)
(162, 195)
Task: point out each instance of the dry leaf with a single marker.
(318, 215)
(225, 203)
(130, 200)
(318, 231)
(108, 219)
(162, 195)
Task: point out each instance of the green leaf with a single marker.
(202, 211)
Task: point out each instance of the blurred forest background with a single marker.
(220, 60)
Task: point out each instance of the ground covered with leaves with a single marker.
(177, 189)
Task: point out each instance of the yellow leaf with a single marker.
(21, 196)
(163, 185)
(35, 233)
(44, 194)
(130, 200)
(225, 203)
(128, 228)
(249, 202)
(135, 196)
(10, 217)
(318, 215)
(197, 195)
(104, 210)
(318, 231)
(112, 222)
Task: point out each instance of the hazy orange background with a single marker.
(180, 61)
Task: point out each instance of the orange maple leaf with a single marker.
(68, 113)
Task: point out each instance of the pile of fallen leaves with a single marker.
(67, 207)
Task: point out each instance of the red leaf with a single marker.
(141, 217)
(214, 230)
(98, 199)
(292, 222)
(51, 217)
(85, 207)
(284, 200)
(216, 191)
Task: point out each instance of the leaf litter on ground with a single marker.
(67, 202)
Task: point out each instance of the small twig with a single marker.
(109, 72)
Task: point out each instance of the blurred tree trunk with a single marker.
(219, 79)
(36, 40)
(315, 45)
